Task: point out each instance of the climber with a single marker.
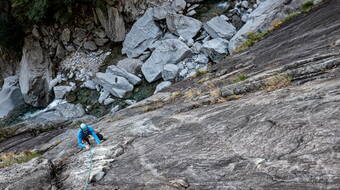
(83, 136)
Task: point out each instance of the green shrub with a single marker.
(240, 78)
(307, 6)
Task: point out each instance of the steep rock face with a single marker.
(10, 96)
(113, 23)
(262, 18)
(35, 74)
(276, 129)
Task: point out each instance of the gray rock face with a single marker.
(113, 23)
(65, 36)
(162, 85)
(143, 33)
(170, 72)
(60, 91)
(217, 27)
(28, 175)
(35, 74)
(160, 13)
(183, 26)
(178, 5)
(90, 45)
(131, 65)
(167, 52)
(261, 19)
(215, 49)
(10, 96)
(116, 85)
(133, 79)
(286, 137)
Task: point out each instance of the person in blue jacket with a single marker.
(83, 136)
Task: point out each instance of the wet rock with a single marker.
(10, 96)
(168, 52)
(35, 74)
(143, 33)
(113, 23)
(183, 26)
(217, 27)
(162, 85)
(170, 72)
(215, 49)
(130, 65)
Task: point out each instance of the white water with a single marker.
(49, 107)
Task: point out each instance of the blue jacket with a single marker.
(81, 135)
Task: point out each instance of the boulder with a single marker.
(101, 41)
(10, 96)
(113, 23)
(130, 65)
(218, 27)
(170, 72)
(89, 84)
(60, 91)
(169, 51)
(183, 26)
(90, 45)
(201, 59)
(215, 49)
(116, 85)
(160, 13)
(261, 19)
(61, 52)
(162, 85)
(65, 36)
(133, 79)
(35, 74)
(178, 5)
(143, 33)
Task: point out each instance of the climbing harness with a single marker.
(90, 156)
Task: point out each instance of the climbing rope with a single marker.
(90, 155)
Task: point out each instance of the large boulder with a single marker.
(183, 26)
(10, 96)
(133, 79)
(142, 34)
(61, 91)
(35, 74)
(116, 85)
(262, 18)
(169, 51)
(215, 49)
(113, 23)
(130, 65)
(217, 27)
